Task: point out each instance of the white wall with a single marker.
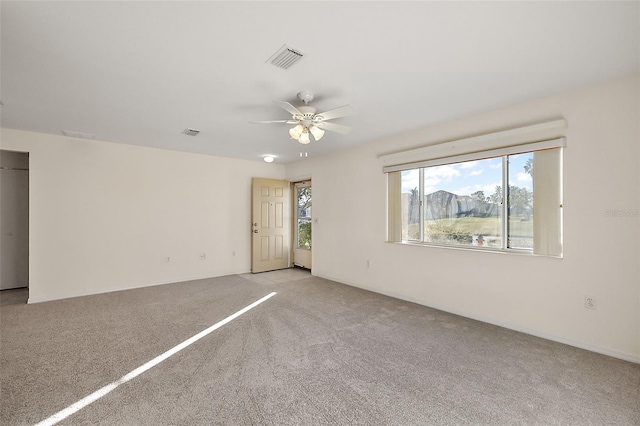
(538, 295)
(104, 216)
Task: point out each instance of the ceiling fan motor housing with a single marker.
(308, 115)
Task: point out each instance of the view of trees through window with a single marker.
(304, 217)
(462, 203)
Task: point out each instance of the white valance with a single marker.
(506, 142)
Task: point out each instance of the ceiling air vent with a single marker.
(190, 132)
(285, 57)
(82, 135)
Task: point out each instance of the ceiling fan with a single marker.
(307, 121)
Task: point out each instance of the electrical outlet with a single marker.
(203, 256)
(368, 263)
(167, 259)
(589, 302)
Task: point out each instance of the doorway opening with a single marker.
(14, 220)
(302, 236)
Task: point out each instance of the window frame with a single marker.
(504, 217)
(547, 242)
(296, 243)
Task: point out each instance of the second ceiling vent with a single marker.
(285, 57)
(190, 132)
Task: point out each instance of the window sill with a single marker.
(474, 249)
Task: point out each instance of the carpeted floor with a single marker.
(318, 352)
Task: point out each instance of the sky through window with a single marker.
(468, 177)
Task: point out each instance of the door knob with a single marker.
(255, 231)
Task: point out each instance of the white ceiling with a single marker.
(141, 72)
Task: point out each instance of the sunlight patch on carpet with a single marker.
(79, 405)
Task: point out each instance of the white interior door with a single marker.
(302, 225)
(270, 225)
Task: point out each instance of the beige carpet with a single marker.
(318, 352)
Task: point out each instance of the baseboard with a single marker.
(33, 300)
(592, 348)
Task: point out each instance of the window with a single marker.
(303, 217)
(463, 203)
(507, 198)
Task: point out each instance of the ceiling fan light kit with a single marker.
(304, 137)
(307, 121)
(317, 132)
(296, 132)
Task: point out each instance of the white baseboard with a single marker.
(33, 300)
(589, 347)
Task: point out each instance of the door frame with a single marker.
(28, 208)
(307, 262)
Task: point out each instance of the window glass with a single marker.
(304, 218)
(463, 203)
(411, 205)
(521, 201)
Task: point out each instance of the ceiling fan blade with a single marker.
(342, 111)
(288, 107)
(274, 122)
(333, 127)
